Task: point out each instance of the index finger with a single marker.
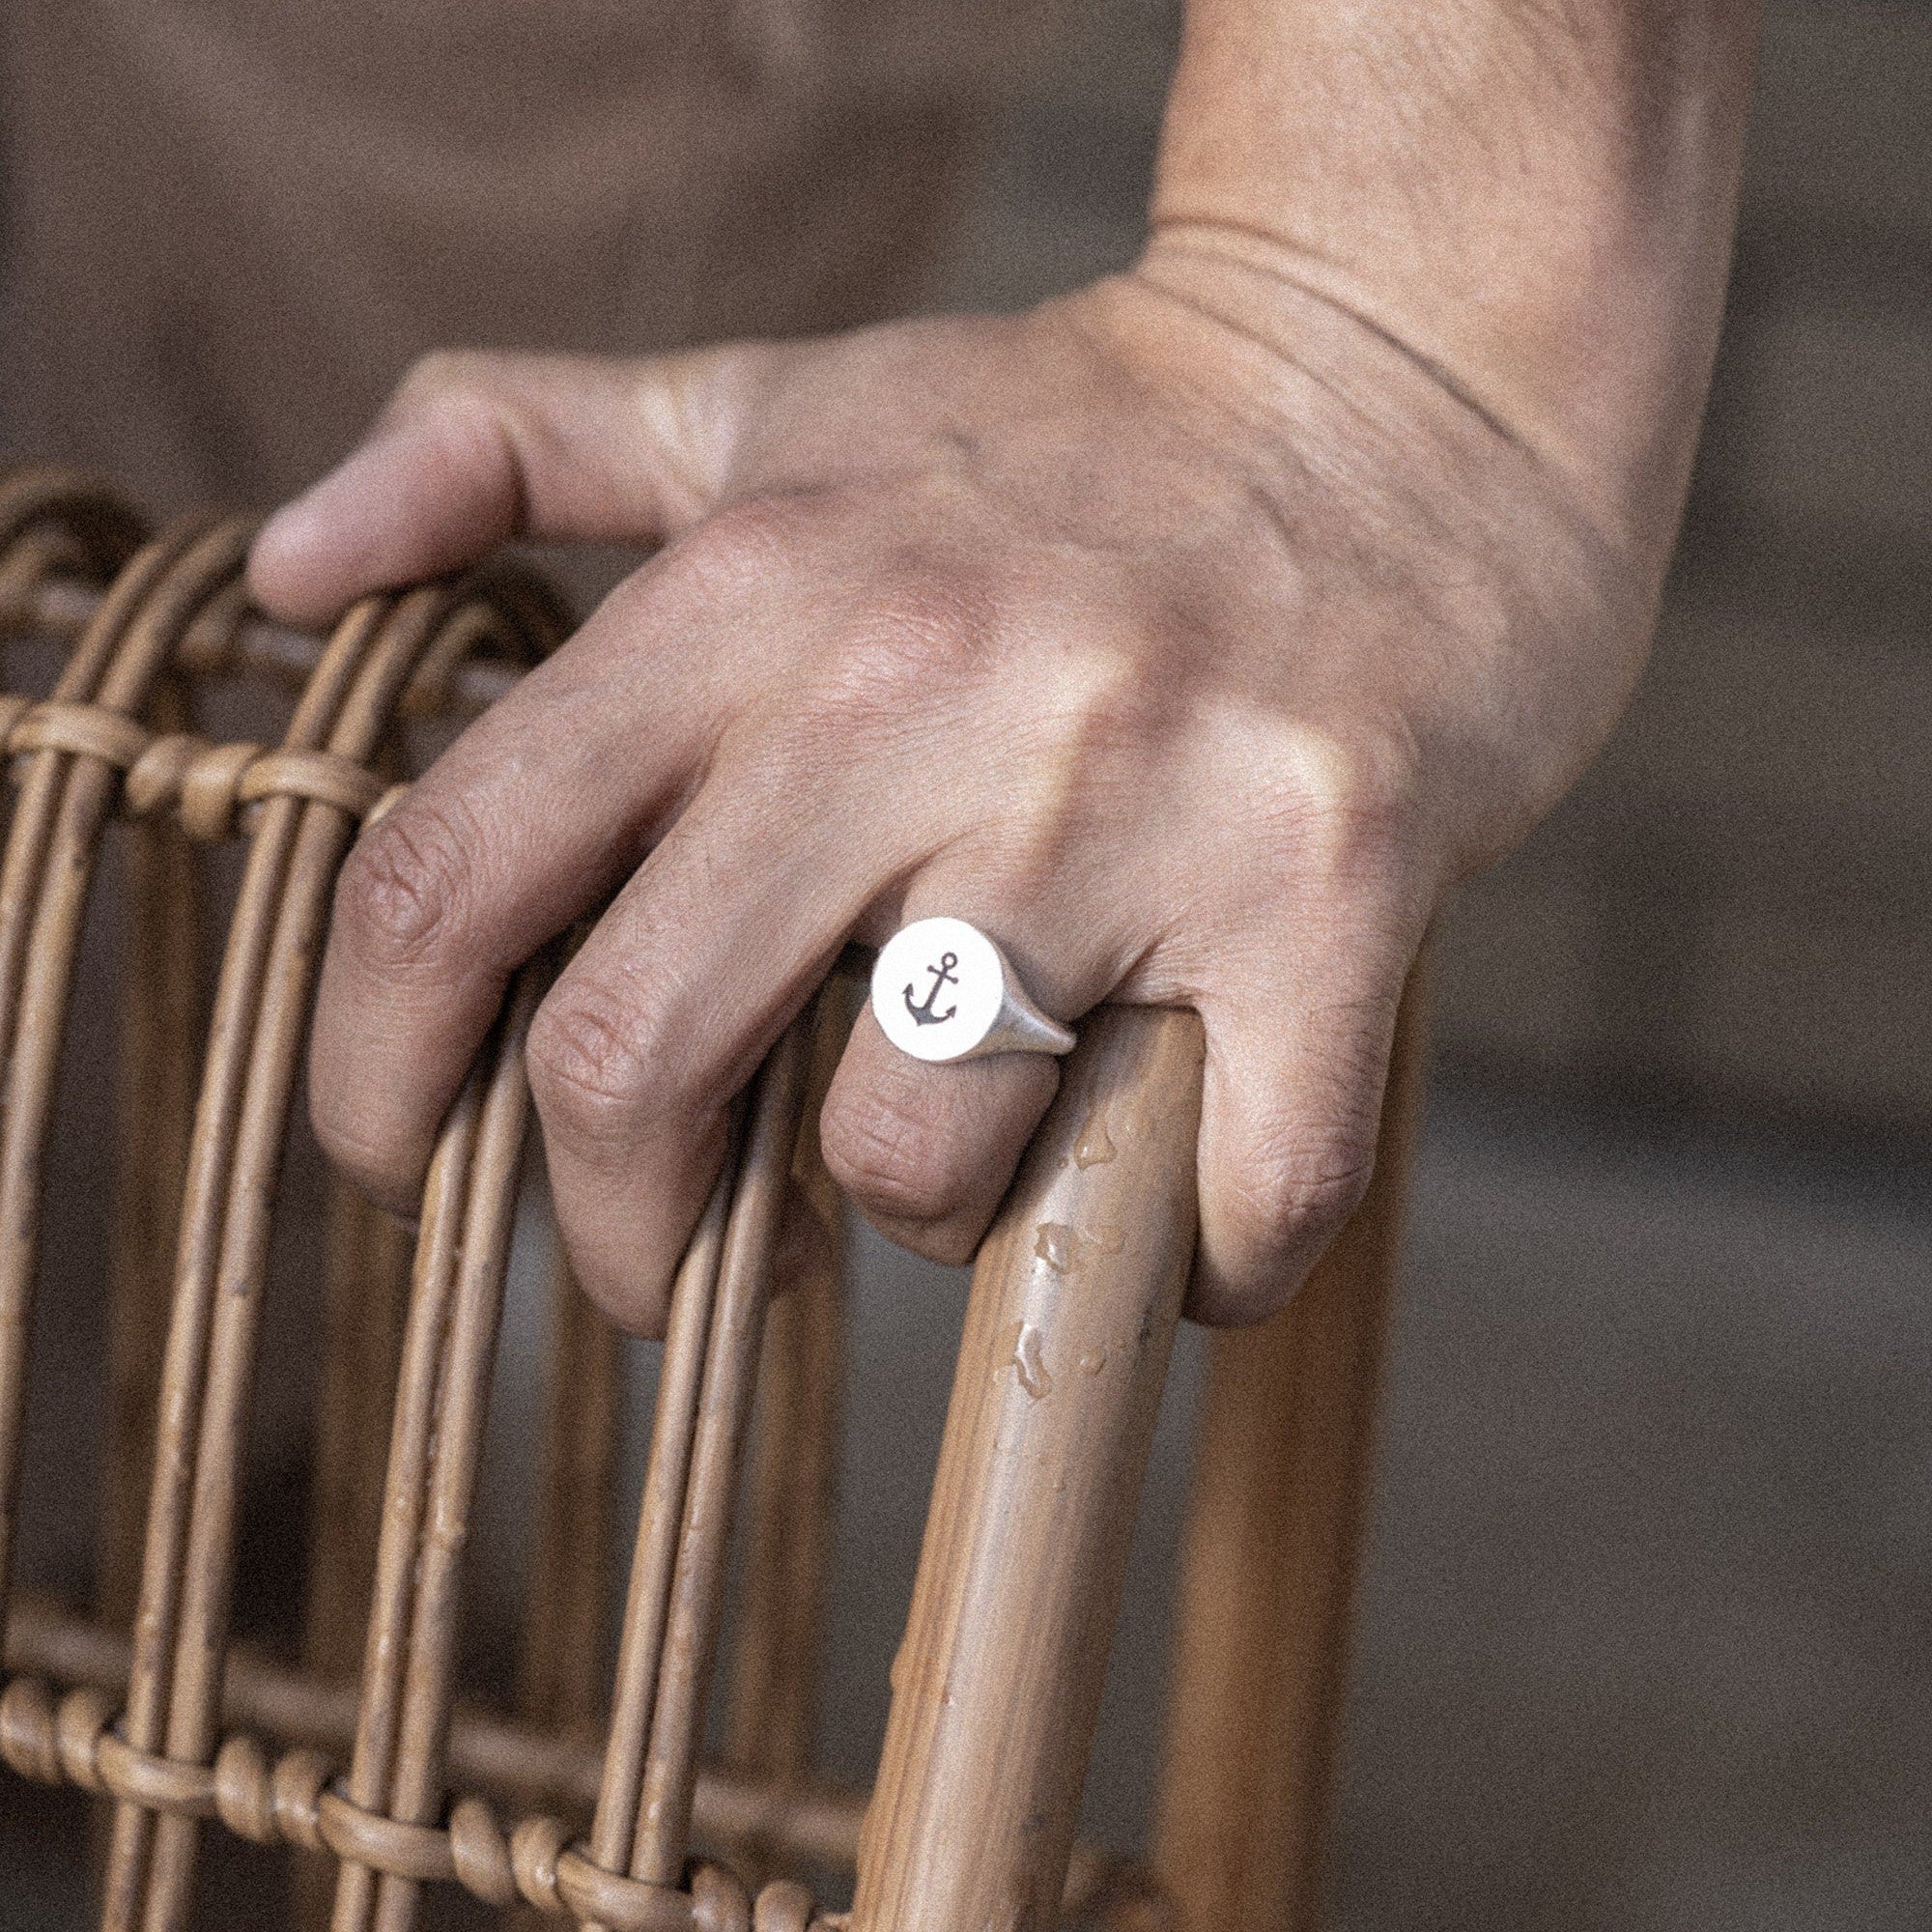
(532, 818)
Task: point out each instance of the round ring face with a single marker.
(938, 986)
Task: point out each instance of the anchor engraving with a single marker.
(941, 975)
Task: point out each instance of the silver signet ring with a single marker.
(942, 990)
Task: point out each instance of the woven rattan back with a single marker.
(572, 1803)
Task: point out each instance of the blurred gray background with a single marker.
(1645, 1624)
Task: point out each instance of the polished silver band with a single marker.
(942, 990)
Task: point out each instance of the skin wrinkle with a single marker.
(1179, 233)
(1441, 380)
(1253, 338)
(406, 884)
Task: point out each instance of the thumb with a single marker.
(477, 446)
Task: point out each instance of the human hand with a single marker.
(1190, 660)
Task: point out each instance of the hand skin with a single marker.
(1190, 634)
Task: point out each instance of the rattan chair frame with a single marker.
(148, 1702)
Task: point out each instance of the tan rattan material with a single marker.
(566, 1807)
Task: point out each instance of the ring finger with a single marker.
(927, 1151)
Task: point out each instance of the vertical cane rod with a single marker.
(1074, 1303)
(660, 1520)
(185, 1362)
(155, 1102)
(730, 1368)
(261, 1013)
(44, 880)
(475, 1317)
(406, 1485)
(302, 843)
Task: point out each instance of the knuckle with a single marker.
(1297, 1189)
(924, 618)
(461, 401)
(907, 641)
(1100, 702)
(587, 1058)
(1341, 806)
(404, 891)
(731, 552)
(888, 1155)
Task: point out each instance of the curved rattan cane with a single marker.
(261, 1008)
(76, 745)
(387, 1777)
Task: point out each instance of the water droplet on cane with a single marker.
(1058, 1246)
(1093, 1146)
(1032, 1375)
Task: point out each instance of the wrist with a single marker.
(1296, 381)
(1599, 377)
(1537, 216)
(1305, 401)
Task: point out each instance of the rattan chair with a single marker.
(568, 1803)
